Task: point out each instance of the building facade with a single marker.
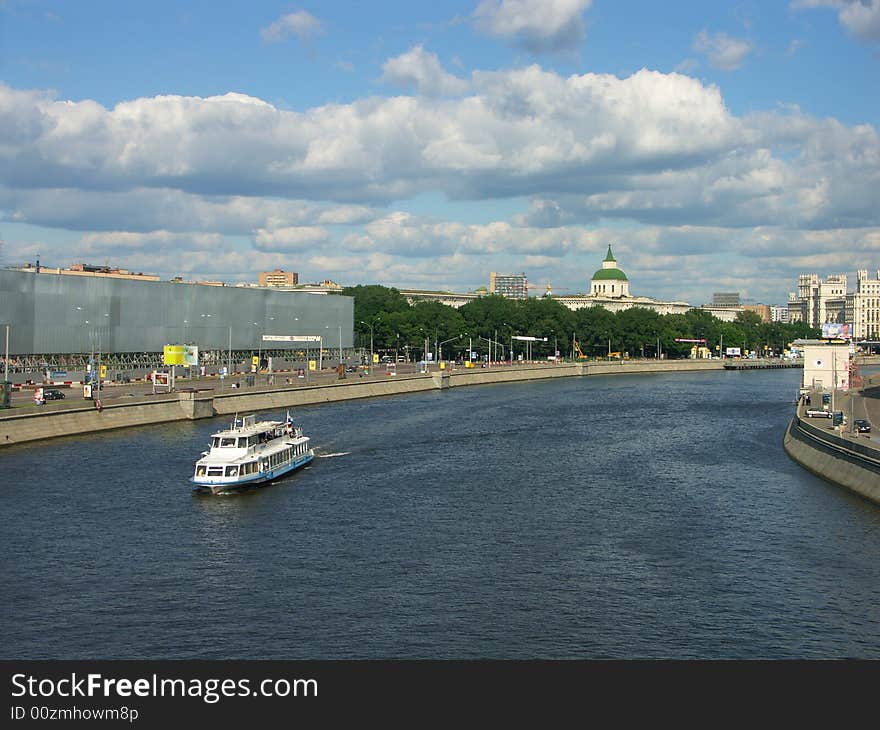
(609, 289)
(778, 313)
(513, 286)
(52, 315)
(725, 299)
(866, 307)
(278, 277)
(819, 302)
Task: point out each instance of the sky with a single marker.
(717, 147)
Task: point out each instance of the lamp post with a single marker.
(6, 359)
(371, 342)
(440, 346)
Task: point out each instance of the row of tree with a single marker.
(396, 326)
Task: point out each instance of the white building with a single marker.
(778, 313)
(609, 288)
(825, 364)
(866, 307)
(818, 302)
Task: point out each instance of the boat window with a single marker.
(232, 471)
(215, 471)
(252, 441)
(227, 441)
(200, 470)
(215, 442)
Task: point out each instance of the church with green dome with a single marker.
(609, 281)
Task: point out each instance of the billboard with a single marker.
(732, 352)
(187, 355)
(832, 330)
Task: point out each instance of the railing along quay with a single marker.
(762, 364)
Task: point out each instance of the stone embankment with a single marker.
(840, 458)
(34, 424)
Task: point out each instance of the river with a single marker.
(632, 516)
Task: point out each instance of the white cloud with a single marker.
(537, 25)
(653, 153)
(420, 70)
(290, 238)
(859, 17)
(301, 24)
(723, 52)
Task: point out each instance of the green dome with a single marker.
(606, 274)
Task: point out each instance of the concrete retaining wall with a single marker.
(839, 460)
(38, 425)
(64, 421)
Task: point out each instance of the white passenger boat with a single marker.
(251, 452)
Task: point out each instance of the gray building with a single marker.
(54, 318)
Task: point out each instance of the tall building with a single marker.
(513, 286)
(866, 307)
(725, 299)
(279, 277)
(778, 313)
(762, 310)
(819, 301)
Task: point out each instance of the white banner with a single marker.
(530, 339)
(291, 338)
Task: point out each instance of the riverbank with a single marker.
(63, 418)
(844, 459)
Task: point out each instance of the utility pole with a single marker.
(6, 360)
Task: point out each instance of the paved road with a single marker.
(112, 392)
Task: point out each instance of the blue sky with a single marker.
(717, 146)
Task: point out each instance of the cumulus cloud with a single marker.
(301, 24)
(143, 209)
(859, 17)
(654, 151)
(536, 25)
(290, 238)
(723, 52)
(422, 71)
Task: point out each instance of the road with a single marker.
(111, 392)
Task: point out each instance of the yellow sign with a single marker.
(443, 365)
(103, 371)
(313, 365)
(174, 355)
(255, 360)
(180, 355)
(375, 358)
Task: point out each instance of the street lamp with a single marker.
(440, 346)
(371, 341)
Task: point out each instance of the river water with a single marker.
(600, 517)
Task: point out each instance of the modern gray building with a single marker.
(54, 319)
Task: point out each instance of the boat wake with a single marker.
(328, 456)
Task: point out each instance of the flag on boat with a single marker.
(289, 420)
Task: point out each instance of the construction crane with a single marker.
(547, 287)
(577, 351)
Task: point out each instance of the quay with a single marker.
(761, 364)
(71, 417)
(836, 453)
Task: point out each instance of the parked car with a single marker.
(862, 426)
(818, 412)
(52, 394)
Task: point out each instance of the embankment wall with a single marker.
(63, 420)
(840, 460)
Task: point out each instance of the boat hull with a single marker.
(226, 485)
